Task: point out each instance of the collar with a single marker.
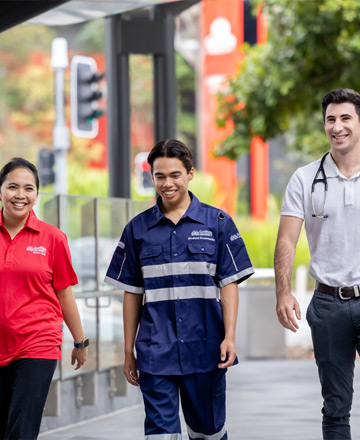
(194, 212)
(32, 221)
(331, 169)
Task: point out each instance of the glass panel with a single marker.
(113, 215)
(112, 218)
(47, 209)
(88, 319)
(78, 222)
(137, 207)
(111, 347)
(77, 218)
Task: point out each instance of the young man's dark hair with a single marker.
(338, 97)
(171, 148)
(19, 162)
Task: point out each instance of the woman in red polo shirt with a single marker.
(36, 276)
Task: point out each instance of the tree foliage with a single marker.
(26, 107)
(313, 47)
(91, 37)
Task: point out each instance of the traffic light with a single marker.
(46, 162)
(143, 179)
(84, 96)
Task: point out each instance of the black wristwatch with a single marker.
(84, 343)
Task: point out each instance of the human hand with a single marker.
(79, 356)
(285, 308)
(227, 351)
(130, 370)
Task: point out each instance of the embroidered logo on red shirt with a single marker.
(40, 250)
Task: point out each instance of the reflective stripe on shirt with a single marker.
(176, 293)
(181, 268)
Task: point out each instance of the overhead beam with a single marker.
(13, 13)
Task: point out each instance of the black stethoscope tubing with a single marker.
(320, 180)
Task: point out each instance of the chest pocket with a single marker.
(150, 251)
(201, 247)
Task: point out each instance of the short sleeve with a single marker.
(233, 260)
(124, 271)
(293, 203)
(63, 272)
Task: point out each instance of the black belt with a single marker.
(343, 292)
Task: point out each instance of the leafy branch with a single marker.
(312, 48)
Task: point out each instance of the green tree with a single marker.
(26, 107)
(186, 120)
(91, 37)
(313, 47)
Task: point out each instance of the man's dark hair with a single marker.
(171, 148)
(338, 97)
(15, 163)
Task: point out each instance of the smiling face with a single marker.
(18, 194)
(171, 181)
(342, 127)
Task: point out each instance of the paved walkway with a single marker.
(266, 400)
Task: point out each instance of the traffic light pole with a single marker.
(61, 136)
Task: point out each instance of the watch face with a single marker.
(86, 342)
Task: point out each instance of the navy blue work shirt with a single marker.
(179, 270)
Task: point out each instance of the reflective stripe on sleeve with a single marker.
(185, 292)
(232, 257)
(163, 437)
(121, 268)
(236, 277)
(119, 285)
(181, 268)
(198, 435)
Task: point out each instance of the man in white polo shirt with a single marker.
(326, 194)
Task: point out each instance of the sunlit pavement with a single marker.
(266, 400)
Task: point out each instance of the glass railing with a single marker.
(93, 227)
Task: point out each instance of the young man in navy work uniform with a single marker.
(175, 262)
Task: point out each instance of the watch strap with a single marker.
(84, 343)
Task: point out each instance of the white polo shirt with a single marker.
(334, 242)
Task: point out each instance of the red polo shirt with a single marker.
(32, 266)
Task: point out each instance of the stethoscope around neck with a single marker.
(320, 180)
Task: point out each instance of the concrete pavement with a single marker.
(266, 400)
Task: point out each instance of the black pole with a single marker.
(118, 112)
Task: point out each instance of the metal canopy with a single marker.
(77, 11)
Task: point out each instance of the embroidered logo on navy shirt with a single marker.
(37, 250)
(201, 235)
(234, 237)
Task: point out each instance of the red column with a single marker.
(259, 152)
(222, 35)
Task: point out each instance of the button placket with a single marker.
(173, 251)
(349, 192)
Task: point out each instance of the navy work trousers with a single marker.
(24, 386)
(202, 400)
(335, 329)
